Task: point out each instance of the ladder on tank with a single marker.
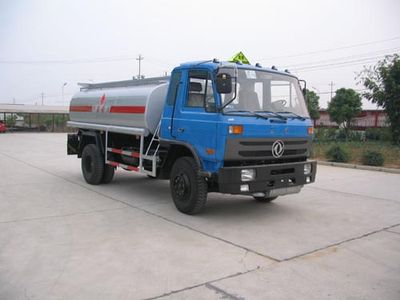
(148, 155)
(153, 157)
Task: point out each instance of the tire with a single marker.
(188, 189)
(108, 174)
(265, 199)
(92, 164)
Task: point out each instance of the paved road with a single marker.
(63, 239)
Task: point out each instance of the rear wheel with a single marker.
(265, 199)
(188, 189)
(92, 164)
(108, 174)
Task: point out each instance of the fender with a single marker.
(196, 157)
(95, 135)
(187, 145)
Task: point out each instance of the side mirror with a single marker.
(304, 89)
(224, 83)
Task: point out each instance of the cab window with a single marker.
(200, 91)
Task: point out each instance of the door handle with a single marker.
(181, 130)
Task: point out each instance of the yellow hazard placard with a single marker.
(239, 57)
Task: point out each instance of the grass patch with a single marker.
(390, 153)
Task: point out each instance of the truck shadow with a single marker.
(219, 205)
(142, 184)
(154, 195)
(138, 189)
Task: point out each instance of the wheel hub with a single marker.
(181, 185)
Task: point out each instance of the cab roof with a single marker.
(215, 64)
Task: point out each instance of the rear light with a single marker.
(236, 129)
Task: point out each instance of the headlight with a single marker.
(248, 174)
(307, 169)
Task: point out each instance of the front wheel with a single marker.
(265, 199)
(188, 189)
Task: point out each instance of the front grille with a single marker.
(256, 162)
(269, 153)
(261, 149)
(265, 143)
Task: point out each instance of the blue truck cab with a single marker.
(247, 130)
(211, 127)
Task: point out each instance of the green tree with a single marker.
(344, 107)
(312, 104)
(383, 88)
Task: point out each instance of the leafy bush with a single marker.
(372, 158)
(341, 135)
(378, 134)
(325, 134)
(337, 154)
(350, 135)
(356, 136)
(333, 134)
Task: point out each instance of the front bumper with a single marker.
(268, 178)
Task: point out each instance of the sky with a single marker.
(48, 46)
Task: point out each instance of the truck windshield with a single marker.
(261, 91)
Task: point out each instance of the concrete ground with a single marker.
(63, 239)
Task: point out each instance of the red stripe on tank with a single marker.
(128, 109)
(80, 108)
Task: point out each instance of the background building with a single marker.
(369, 118)
(20, 117)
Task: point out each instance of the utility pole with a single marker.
(42, 94)
(140, 58)
(331, 84)
(62, 91)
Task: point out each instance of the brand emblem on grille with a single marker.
(277, 148)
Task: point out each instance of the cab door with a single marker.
(195, 119)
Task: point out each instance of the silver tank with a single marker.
(133, 103)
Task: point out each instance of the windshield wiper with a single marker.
(272, 113)
(294, 115)
(247, 111)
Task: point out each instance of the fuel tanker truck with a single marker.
(227, 127)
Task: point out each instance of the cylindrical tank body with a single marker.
(132, 106)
